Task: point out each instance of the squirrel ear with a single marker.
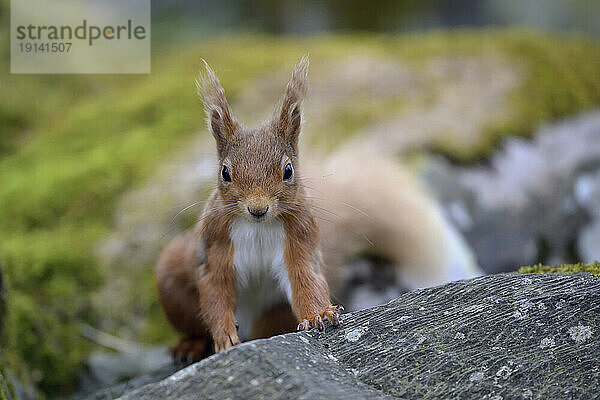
(289, 118)
(219, 117)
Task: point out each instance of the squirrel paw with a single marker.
(225, 341)
(189, 350)
(331, 313)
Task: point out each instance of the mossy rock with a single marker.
(6, 389)
(593, 269)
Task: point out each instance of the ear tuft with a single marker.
(290, 114)
(220, 119)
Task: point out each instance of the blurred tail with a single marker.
(366, 203)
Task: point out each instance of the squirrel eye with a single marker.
(225, 174)
(287, 172)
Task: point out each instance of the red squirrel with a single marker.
(254, 254)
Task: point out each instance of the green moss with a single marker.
(7, 389)
(71, 145)
(593, 269)
(560, 78)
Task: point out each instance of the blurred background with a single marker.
(493, 105)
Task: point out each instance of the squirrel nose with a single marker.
(258, 212)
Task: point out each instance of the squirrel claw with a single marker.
(318, 323)
(304, 325)
(331, 313)
(333, 317)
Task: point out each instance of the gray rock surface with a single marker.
(505, 336)
(587, 195)
(536, 200)
(109, 375)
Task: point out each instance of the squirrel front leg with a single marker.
(310, 298)
(310, 292)
(216, 284)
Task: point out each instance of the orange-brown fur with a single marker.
(196, 276)
(310, 292)
(179, 256)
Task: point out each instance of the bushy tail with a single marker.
(366, 203)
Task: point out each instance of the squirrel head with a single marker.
(257, 175)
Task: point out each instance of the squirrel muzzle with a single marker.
(258, 208)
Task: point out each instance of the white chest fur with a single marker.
(262, 278)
